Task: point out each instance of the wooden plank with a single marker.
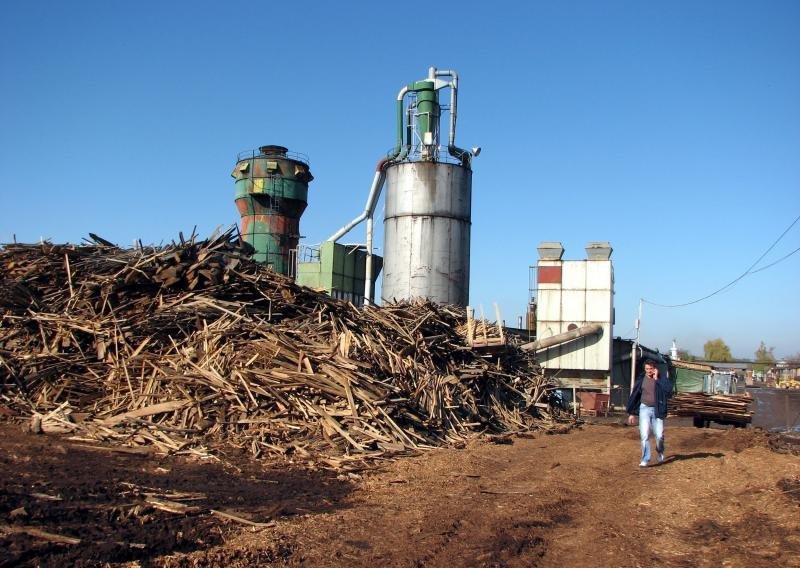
(170, 506)
(147, 411)
(334, 424)
(240, 520)
(39, 533)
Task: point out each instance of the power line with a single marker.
(781, 259)
(735, 280)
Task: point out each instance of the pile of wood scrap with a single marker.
(191, 346)
(733, 409)
(482, 335)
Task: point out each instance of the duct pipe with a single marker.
(433, 72)
(540, 344)
(396, 152)
(370, 210)
(369, 206)
(452, 149)
(368, 265)
(399, 152)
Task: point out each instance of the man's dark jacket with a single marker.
(663, 392)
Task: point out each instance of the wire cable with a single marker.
(781, 259)
(735, 280)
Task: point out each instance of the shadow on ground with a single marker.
(65, 504)
(682, 457)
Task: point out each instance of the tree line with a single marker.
(717, 350)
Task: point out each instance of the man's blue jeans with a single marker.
(648, 421)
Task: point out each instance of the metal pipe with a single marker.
(368, 265)
(635, 346)
(433, 73)
(409, 135)
(452, 149)
(399, 153)
(369, 206)
(380, 174)
(396, 152)
(540, 344)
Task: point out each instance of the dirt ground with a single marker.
(725, 498)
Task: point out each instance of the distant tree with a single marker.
(684, 355)
(765, 357)
(717, 350)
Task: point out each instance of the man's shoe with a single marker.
(661, 458)
(643, 464)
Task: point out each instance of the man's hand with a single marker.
(632, 419)
(655, 374)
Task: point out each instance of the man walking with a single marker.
(648, 400)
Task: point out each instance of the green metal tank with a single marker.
(271, 196)
(428, 110)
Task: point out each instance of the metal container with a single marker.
(427, 232)
(428, 201)
(776, 410)
(271, 195)
(338, 269)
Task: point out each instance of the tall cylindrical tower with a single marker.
(271, 195)
(427, 232)
(428, 201)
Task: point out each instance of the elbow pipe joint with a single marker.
(464, 156)
(396, 151)
(372, 200)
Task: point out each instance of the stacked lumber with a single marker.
(722, 408)
(190, 347)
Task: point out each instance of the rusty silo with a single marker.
(271, 195)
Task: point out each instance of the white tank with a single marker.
(427, 232)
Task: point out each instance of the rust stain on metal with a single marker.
(549, 275)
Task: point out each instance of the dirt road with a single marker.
(724, 499)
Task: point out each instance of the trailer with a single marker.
(705, 408)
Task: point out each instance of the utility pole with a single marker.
(635, 349)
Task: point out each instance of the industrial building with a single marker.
(428, 209)
(572, 311)
(426, 229)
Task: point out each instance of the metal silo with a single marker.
(428, 200)
(427, 232)
(428, 203)
(271, 195)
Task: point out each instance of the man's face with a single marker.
(649, 370)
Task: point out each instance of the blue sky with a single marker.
(670, 129)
